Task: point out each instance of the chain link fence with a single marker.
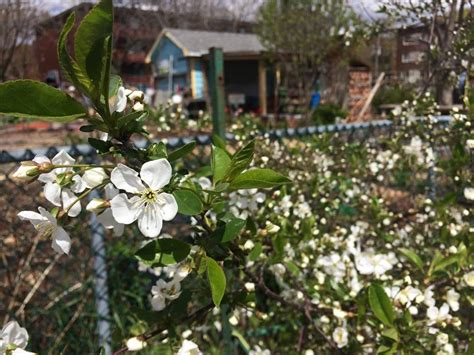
(74, 304)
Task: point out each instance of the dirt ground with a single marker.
(18, 137)
(23, 136)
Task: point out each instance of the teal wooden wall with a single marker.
(164, 50)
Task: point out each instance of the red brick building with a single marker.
(412, 46)
(135, 31)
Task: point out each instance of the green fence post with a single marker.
(216, 88)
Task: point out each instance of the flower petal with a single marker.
(48, 177)
(150, 221)
(78, 185)
(106, 218)
(48, 216)
(168, 206)
(62, 158)
(110, 191)
(61, 241)
(33, 217)
(158, 302)
(156, 173)
(40, 159)
(69, 199)
(125, 211)
(94, 177)
(127, 179)
(12, 333)
(52, 192)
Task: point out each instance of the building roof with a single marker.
(195, 43)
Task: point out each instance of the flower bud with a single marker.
(27, 171)
(94, 177)
(469, 193)
(135, 344)
(470, 143)
(97, 205)
(136, 95)
(271, 228)
(138, 106)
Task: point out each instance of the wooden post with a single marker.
(262, 87)
(216, 89)
(378, 83)
(192, 76)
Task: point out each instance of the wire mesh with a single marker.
(53, 295)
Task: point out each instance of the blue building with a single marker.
(179, 60)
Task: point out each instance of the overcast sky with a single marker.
(364, 7)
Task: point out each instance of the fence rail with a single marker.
(85, 150)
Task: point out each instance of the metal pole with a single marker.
(216, 87)
(101, 291)
(170, 76)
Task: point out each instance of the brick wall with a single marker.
(360, 80)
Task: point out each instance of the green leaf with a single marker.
(126, 123)
(32, 99)
(181, 151)
(440, 263)
(219, 142)
(412, 257)
(241, 160)
(100, 145)
(157, 151)
(114, 84)
(387, 350)
(293, 268)
(381, 305)
(217, 281)
(220, 163)
(92, 45)
(69, 66)
(166, 251)
(232, 229)
(391, 333)
(188, 201)
(258, 178)
(256, 252)
(87, 128)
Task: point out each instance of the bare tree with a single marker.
(306, 38)
(17, 21)
(449, 40)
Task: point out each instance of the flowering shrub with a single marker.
(138, 185)
(368, 250)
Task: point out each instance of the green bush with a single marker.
(327, 113)
(393, 94)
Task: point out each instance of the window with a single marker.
(414, 75)
(412, 57)
(413, 38)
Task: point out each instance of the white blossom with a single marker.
(47, 225)
(135, 344)
(149, 205)
(94, 177)
(437, 315)
(118, 102)
(106, 218)
(14, 337)
(452, 298)
(189, 348)
(340, 337)
(469, 278)
(469, 193)
(61, 184)
(163, 291)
